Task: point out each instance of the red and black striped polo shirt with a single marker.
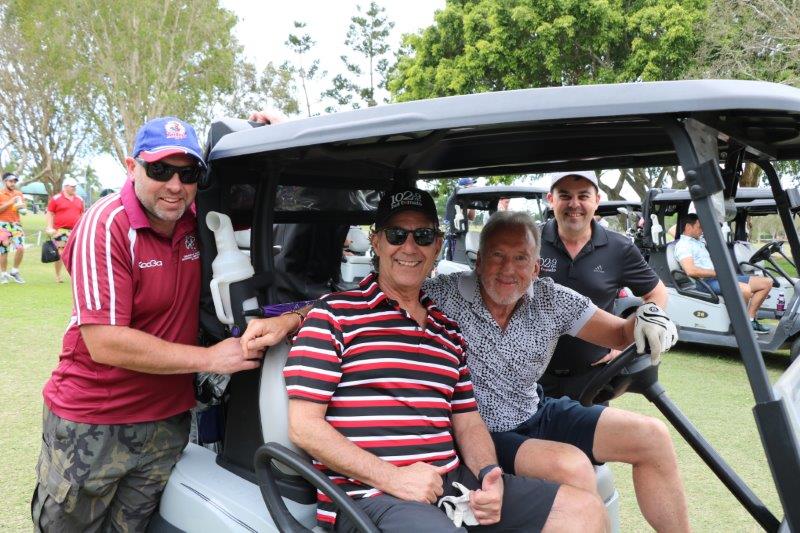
(390, 385)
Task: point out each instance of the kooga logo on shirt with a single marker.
(150, 264)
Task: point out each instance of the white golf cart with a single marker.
(300, 185)
(700, 315)
(461, 244)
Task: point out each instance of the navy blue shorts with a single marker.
(714, 283)
(557, 419)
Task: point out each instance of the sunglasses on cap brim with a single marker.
(422, 236)
(160, 171)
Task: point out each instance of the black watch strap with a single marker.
(485, 470)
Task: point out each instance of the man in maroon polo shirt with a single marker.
(116, 413)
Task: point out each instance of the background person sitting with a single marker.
(691, 253)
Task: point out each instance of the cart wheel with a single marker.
(794, 350)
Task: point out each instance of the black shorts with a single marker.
(561, 420)
(526, 506)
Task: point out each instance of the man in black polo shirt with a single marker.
(579, 253)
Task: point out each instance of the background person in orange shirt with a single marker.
(12, 205)
(63, 211)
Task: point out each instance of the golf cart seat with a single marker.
(471, 244)
(685, 284)
(358, 265)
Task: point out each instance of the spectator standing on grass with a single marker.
(63, 211)
(116, 408)
(12, 205)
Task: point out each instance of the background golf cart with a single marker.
(461, 245)
(700, 315)
(306, 173)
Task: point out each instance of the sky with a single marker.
(264, 26)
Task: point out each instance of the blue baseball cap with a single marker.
(463, 182)
(166, 136)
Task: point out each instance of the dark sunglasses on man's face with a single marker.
(422, 236)
(160, 171)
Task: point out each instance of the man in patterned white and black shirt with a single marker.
(512, 320)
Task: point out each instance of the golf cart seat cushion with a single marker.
(672, 262)
(471, 244)
(359, 243)
(743, 251)
(273, 402)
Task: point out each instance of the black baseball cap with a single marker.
(400, 200)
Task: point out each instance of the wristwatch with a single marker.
(485, 470)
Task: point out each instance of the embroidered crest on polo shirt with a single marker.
(174, 130)
(192, 254)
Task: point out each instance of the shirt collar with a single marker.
(377, 297)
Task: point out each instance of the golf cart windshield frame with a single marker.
(691, 123)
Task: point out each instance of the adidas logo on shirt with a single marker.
(599, 268)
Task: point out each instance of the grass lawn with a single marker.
(709, 386)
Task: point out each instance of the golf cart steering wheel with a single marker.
(765, 251)
(270, 491)
(602, 379)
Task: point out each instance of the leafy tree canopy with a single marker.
(493, 45)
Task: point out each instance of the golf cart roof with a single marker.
(610, 207)
(743, 195)
(533, 130)
(495, 192)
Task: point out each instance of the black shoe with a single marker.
(758, 327)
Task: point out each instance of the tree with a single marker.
(273, 88)
(367, 36)
(127, 61)
(43, 134)
(306, 70)
(753, 39)
(495, 45)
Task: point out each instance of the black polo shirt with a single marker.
(608, 262)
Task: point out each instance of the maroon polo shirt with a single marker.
(125, 274)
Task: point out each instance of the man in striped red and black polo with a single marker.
(381, 398)
(116, 413)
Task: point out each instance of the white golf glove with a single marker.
(457, 507)
(654, 326)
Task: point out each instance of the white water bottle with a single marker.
(230, 265)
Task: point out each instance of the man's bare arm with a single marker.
(605, 329)
(473, 440)
(130, 348)
(696, 272)
(657, 296)
(262, 333)
(309, 430)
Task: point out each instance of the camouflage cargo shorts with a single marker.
(94, 477)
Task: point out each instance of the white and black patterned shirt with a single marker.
(506, 365)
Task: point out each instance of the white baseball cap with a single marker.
(588, 176)
(69, 182)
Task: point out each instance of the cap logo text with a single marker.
(406, 198)
(174, 130)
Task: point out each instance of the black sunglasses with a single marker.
(160, 171)
(422, 236)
